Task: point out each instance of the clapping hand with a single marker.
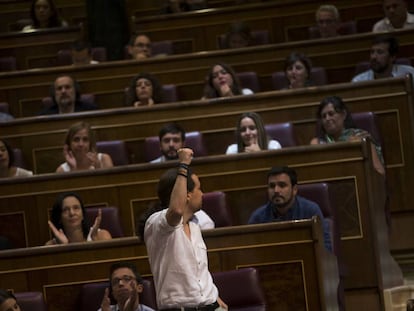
(96, 225)
(69, 157)
(106, 301)
(60, 237)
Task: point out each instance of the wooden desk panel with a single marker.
(132, 187)
(273, 249)
(108, 80)
(28, 47)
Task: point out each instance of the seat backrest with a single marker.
(260, 37)
(319, 193)
(91, 295)
(193, 140)
(215, 205)
(249, 79)
(280, 82)
(240, 289)
(169, 93)
(367, 121)
(4, 107)
(110, 219)
(282, 132)
(345, 28)
(162, 48)
(8, 63)
(30, 301)
(364, 66)
(85, 98)
(19, 158)
(117, 149)
(64, 57)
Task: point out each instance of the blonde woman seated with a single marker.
(80, 150)
(7, 169)
(251, 135)
(68, 223)
(337, 126)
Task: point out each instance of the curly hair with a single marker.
(157, 93)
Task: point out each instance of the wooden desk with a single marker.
(24, 90)
(38, 48)
(275, 16)
(286, 254)
(359, 200)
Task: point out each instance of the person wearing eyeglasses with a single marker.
(327, 20)
(125, 286)
(139, 46)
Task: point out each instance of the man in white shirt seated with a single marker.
(396, 16)
(383, 54)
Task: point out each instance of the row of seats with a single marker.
(282, 132)
(249, 297)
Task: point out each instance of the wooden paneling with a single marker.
(38, 48)
(273, 249)
(346, 166)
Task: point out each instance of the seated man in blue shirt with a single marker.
(284, 203)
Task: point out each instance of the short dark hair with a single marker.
(134, 36)
(57, 212)
(277, 170)
(9, 151)
(125, 264)
(393, 45)
(297, 56)
(240, 28)
(173, 128)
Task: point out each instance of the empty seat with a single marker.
(282, 132)
(169, 93)
(249, 80)
(30, 301)
(280, 82)
(345, 28)
(92, 293)
(110, 219)
(86, 98)
(8, 63)
(259, 37)
(193, 140)
(64, 57)
(117, 149)
(240, 289)
(4, 107)
(215, 205)
(162, 48)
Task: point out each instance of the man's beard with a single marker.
(378, 68)
(283, 204)
(170, 157)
